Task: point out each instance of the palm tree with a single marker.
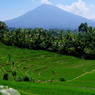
(2, 25)
(83, 27)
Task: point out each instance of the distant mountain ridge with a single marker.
(48, 17)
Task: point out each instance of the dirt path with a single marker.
(89, 67)
(81, 75)
(3, 69)
(26, 93)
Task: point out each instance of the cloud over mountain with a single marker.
(45, 2)
(78, 8)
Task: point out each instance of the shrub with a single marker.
(14, 73)
(26, 78)
(62, 79)
(5, 76)
(19, 79)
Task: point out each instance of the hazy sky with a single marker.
(10, 9)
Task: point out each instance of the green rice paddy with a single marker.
(46, 68)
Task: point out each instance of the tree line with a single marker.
(80, 44)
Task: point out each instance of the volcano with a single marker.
(48, 17)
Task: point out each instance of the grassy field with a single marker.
(44, 67)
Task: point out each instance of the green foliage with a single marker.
(5, 76)
(62, 79)
(19, 79)
(9, 57)
(80, 44)
(64, 42)
(14, 73)
(26, 78)
(83, 27)
(2, 25)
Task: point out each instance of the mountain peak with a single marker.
(46, 5)
(47, 17)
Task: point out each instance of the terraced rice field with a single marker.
(44, 66)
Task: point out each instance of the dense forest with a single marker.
(80, 44)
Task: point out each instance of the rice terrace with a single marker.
(35, 62)
(48, 51)
(46, 69)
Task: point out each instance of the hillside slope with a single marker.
(45, 66)
(39, 64)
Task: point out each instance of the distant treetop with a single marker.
(2, 25)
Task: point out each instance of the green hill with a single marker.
(46, 71)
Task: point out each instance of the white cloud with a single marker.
(92, 16)
(92, 5)
(78, 8)
(45, 2)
